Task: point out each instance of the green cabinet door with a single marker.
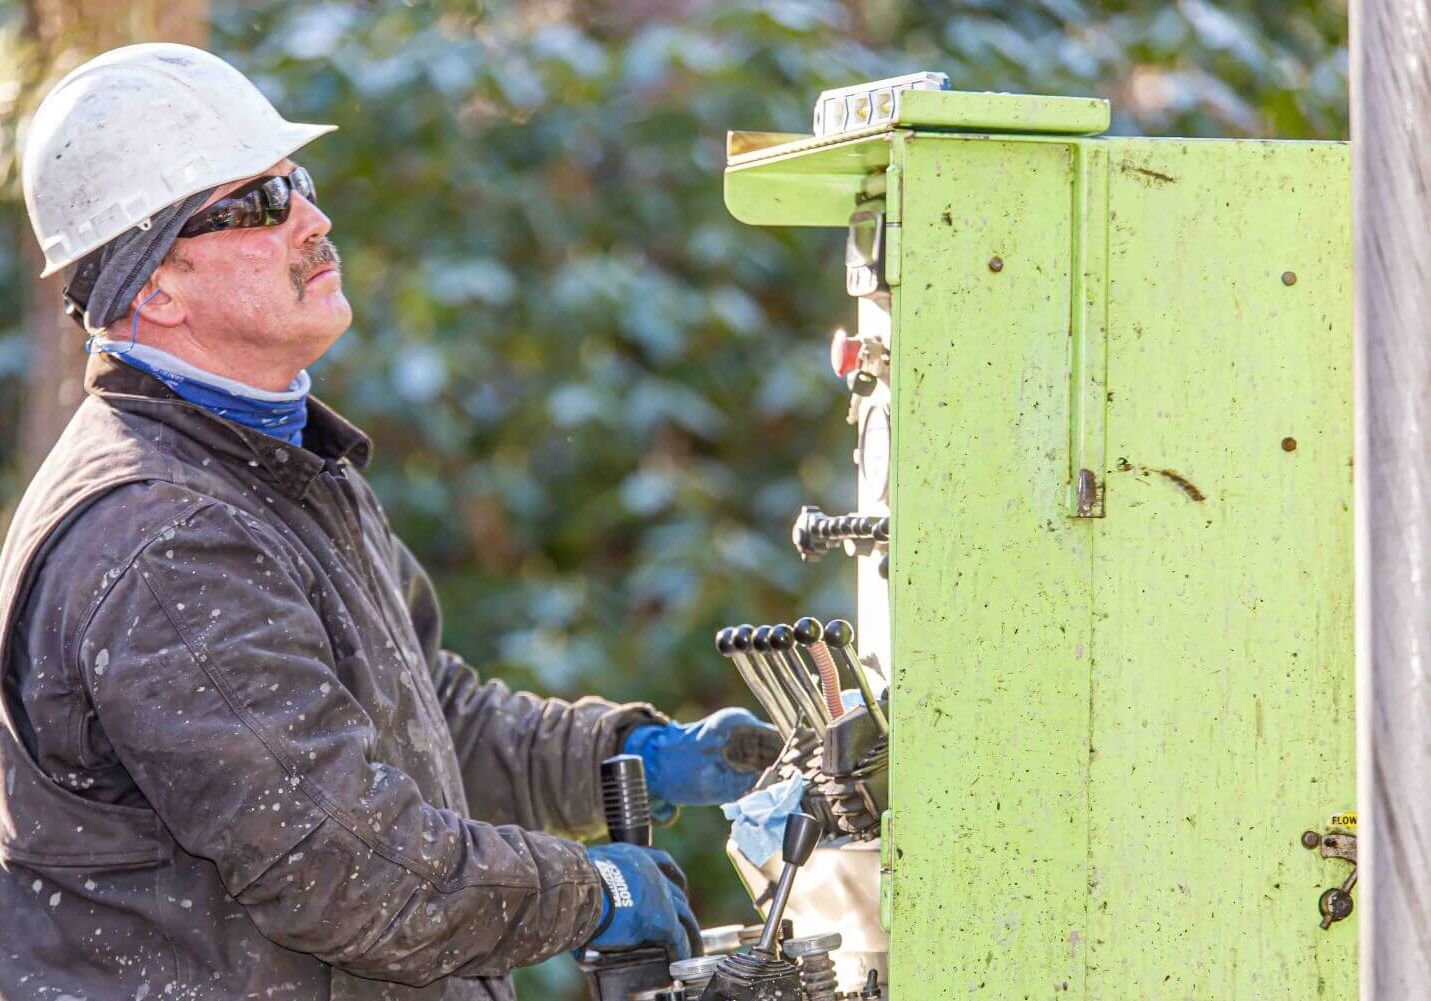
(1111, 732)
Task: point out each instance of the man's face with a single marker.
(274, 291)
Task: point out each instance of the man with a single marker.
(236, 762)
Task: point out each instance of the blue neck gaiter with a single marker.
(281, 415)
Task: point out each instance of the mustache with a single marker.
(314, 258)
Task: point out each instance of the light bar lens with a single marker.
(867, 104)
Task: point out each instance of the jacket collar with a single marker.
(328, 436)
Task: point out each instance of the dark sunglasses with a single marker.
(264, 201)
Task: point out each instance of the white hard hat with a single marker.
(137, 129)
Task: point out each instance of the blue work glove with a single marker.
(712, 761)
(645, 901)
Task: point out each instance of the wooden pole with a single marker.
(1391, 156)
(63, 34)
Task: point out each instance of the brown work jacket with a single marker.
(236, 763)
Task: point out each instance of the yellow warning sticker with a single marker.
(1346, 821)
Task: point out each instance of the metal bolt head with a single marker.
(695, 968)
(1311, 839)
(996, 264)
(1289, 444)
(811, 945)
(1289, 278)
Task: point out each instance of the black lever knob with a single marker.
(781, 637)
(725, 641)
(760, 642)
(1336, 905)
(742, 638)
(838, 632)
(802, 834)
(808, 630)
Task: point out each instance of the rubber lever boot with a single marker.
(760, 975)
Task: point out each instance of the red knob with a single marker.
(844, 353)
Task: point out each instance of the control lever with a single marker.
(789, 681)
(839, 638)
(761, 975)
(802, 834)
(1335, 904)
(782, 646)
(744, 641)
(807, 634)
(775, 706)
(853, 781)
(626, 805)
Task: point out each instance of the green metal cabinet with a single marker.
(1119, 597)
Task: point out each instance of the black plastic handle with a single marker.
(802, 834)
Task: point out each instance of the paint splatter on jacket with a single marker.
(236, 763)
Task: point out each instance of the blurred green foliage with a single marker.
(598, 401)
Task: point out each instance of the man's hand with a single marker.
(712, 761)
(645, 901)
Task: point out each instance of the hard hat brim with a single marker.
(294, 137)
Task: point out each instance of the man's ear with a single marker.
(159, 306)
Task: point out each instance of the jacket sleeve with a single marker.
(525, 760)
(216, 685)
